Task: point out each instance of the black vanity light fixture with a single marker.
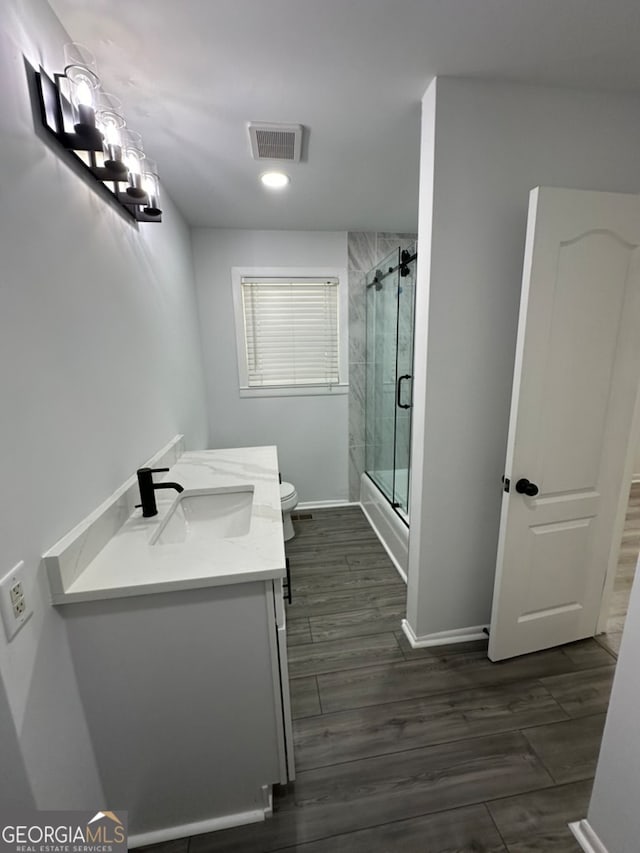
(90, 125)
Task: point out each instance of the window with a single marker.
(289, 332)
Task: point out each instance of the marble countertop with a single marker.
(128, 565)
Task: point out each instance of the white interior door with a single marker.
(572, 411)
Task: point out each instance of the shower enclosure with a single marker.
(389, 372)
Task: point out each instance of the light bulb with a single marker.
(111, 134)
(151, 186)
(84, 94)
(132, 163)
(275, 180)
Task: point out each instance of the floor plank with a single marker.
(398, 726)
(342, 601)
(349, 538)
(537, 822)
(405, 784)
(380, 684)
(568, 750)
(335, 655)
(587, 654)
(611, 641)
(466, 830)
(305, 699)
(582, 693)
(326, 582)
(370, 559)
(331, 516)
(326, 548)
(298, 631)
(358, 795)
(438, 670)
(302, 567)
(355, 623)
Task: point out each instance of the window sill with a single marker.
(296, 391)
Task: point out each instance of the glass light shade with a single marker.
(83, 90)
(151, 185)
(133, 157)
(81, 71)
(77, 55)
(110, 123)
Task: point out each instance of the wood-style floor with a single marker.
(430, 751)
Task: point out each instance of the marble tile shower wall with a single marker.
(365, 250)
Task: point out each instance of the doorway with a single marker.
(577, 356)
(625, 573)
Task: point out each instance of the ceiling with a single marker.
(193, 73)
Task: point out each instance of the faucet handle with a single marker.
(151, 470)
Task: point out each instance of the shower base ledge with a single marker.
(392, 532)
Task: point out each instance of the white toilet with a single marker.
(288, 502)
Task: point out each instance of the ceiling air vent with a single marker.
(275, 141)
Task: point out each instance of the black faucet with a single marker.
(148, 489)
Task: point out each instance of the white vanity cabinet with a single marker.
(187, 701)
(180, 648)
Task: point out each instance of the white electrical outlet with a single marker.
(13, 602)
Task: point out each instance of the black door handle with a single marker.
(525, 487)
(399, 392)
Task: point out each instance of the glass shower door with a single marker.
(381, 374)
(390, 318)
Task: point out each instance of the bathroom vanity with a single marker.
(177, 629)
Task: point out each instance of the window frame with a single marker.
(293, 273)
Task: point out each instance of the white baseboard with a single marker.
(390, 554)
(443, 638)
(586, 837)
(171, 833)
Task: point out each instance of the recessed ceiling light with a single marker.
(275, 180)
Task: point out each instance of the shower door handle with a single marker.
(399, 391)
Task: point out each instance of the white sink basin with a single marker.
(223, 513)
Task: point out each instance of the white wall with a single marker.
(613, 812)
(311, 432)
(15, 791)
(417, 575)
(99, 367)
(494, 142)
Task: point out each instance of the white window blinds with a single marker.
(291, 331)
